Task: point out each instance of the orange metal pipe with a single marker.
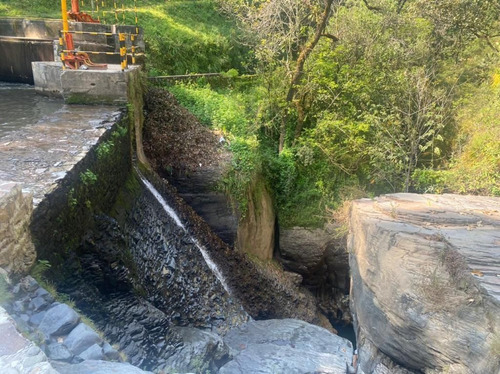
(75, 7)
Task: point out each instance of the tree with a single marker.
(287, 31)
(458, 21)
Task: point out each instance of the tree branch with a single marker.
(330, 36)
(370, 7)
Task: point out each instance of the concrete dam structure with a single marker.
(23, 41)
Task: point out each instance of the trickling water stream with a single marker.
(140, 277)
(177, 220)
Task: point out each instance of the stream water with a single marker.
(20, 106)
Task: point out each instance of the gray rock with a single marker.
(38, 303)
(94, 352)
(42, 292)
(98, 367)
(201, 350)
(286, 346)
(110, 353)
(18, 306)
(425, 280)
(59, 320)
(37, 318)
(81, 338)
(58, 351)
(29, 284)
(302, 250)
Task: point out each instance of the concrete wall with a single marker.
(103, 87)
(17, 54)
(30, 28)
(61, 219)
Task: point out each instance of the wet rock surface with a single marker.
(39, 153)
(264, 291)
(174, 273)
(139, 284)
(425, 280)
(286, 346)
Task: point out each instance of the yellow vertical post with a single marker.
(132, 41)
(61, 49)
(64, 11)
(123, 50)
(136, 20)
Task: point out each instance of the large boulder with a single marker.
(81, 338)
(201, 351)
(58, 320)
(286, 346)
(426, 281)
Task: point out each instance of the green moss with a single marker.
(88, 177)
(105, 148)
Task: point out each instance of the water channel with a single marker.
(20, 106)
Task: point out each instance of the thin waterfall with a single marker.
(213, 267)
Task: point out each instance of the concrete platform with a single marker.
(36, 156)
(106, 87)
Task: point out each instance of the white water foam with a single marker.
(212, 265)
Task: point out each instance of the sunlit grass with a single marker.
(180, 36)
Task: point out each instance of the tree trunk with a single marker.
(299, 68)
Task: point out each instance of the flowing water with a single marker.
(20, 106)
(177, 220)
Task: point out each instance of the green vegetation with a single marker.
(350, 99)
(88, 177)
(30, 8)
(400, 96)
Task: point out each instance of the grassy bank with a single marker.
(181, 36)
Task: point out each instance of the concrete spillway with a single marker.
(49, 141)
